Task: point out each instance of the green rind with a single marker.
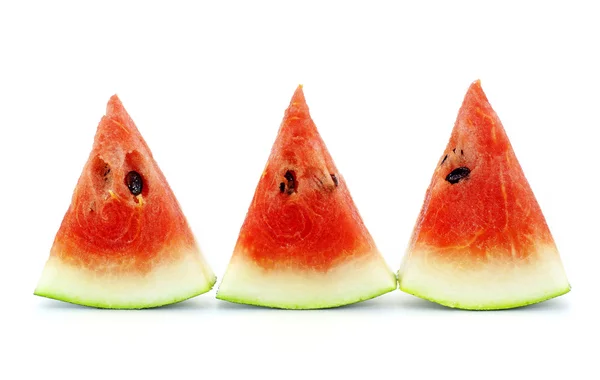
(99, 305)
(292, 306)
(491, 306)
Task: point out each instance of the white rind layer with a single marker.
(494, 283)
(360, 279)
(166, 283)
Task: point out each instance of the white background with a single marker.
(207, 86)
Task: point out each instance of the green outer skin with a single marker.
(489, 306)
(316, 305)
(100, 305)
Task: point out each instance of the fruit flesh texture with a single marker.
(302, 219)
(491, 217)
(494, 207)
(317, 224)
(107, 231)
(105, 222)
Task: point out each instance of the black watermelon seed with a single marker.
(444, 160)
(281, 187)
(134, 182)
(291, 178)
(292, 184)
(335, 180)
(458, 174)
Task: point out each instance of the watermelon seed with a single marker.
(106, 172)
(462, 153)
(292, 185)
(335, 180)
(134, 182)
(444, 160)
(457, 174)
(281, 187)
(454, 150)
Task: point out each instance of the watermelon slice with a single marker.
(481, 241)
(124, 242)
(303, 244)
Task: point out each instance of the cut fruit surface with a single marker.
(495, 283)
(303, 244)
(165, 284)
(481, 240)
(353, 281)
(124, 242)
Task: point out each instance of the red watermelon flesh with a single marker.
(481, 240)
(303, 243)
(124, 241)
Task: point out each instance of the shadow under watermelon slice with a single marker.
(481, 241)
(124, 242)
(303, 244)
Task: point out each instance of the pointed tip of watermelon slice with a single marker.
(118, 122)
(298, 107)
(478, 120)
(475, 92)
(116, 110)
(475, 98)
(114, 107)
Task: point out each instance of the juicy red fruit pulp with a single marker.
(122, 214)
(479, 202)
(302, 215)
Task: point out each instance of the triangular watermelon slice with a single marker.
(481, 241)
(124, 242)
(303, 244)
